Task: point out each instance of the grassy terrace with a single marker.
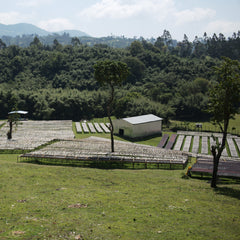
(234, 125)
(54, 202)
(59, 202)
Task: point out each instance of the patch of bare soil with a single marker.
(77, 205)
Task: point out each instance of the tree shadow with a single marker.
(101, 164)
(133, 140)
(227, 191)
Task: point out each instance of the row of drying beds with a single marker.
(185, 145)
(88, 127)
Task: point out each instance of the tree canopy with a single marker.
(112, 73)
(225, 95)
(56, 81)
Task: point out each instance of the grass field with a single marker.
(55, 202)
(60, 202)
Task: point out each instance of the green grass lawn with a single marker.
(56, 202)
(234, 125)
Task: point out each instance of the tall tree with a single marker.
(185, 47)
(111, 73)
(167, 38)
(2, 44)
(75, 41)
(36, 42)
(199, 47)
(159, 43)
(224, 101)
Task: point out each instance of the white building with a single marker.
(139, 126)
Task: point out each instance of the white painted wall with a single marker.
(137, 130)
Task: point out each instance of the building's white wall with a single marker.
(137, 130)
(147, 129)
(121, 124)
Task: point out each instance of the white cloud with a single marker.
(8, 17)
(120, 9)
(109, 9)
(225, 27)
(33, 3)
(194, 15)
(164, 12)
(57, 24)
(13, 17)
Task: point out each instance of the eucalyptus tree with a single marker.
(111, 73)
(224, 103)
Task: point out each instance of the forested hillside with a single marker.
(56, 81)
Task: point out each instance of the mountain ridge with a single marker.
(19, 29)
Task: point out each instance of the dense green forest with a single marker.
(167, 78)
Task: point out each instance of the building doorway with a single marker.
(121, 132)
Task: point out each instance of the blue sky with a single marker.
(146, 18)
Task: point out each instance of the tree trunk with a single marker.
(217, 152)
(9, 134)
(109, 109)
(215, 171)
(111, 130)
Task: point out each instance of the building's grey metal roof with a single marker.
(18, 112)
(142, 119)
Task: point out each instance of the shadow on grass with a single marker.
(220, 181)
(227, 191)
(101, 164)
(134, 140)
(13, 151)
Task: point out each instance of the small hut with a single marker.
(22, 114)
(138, 126)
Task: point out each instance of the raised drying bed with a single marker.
(95, 149)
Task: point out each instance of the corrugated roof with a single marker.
(18, 112)
(142, 119)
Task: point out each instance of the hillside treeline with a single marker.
(213, 46)
(57, 81)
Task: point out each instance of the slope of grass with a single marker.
(55, 202)
(234, 125)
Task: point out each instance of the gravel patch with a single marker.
(31, 134)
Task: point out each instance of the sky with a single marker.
(129, 18)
